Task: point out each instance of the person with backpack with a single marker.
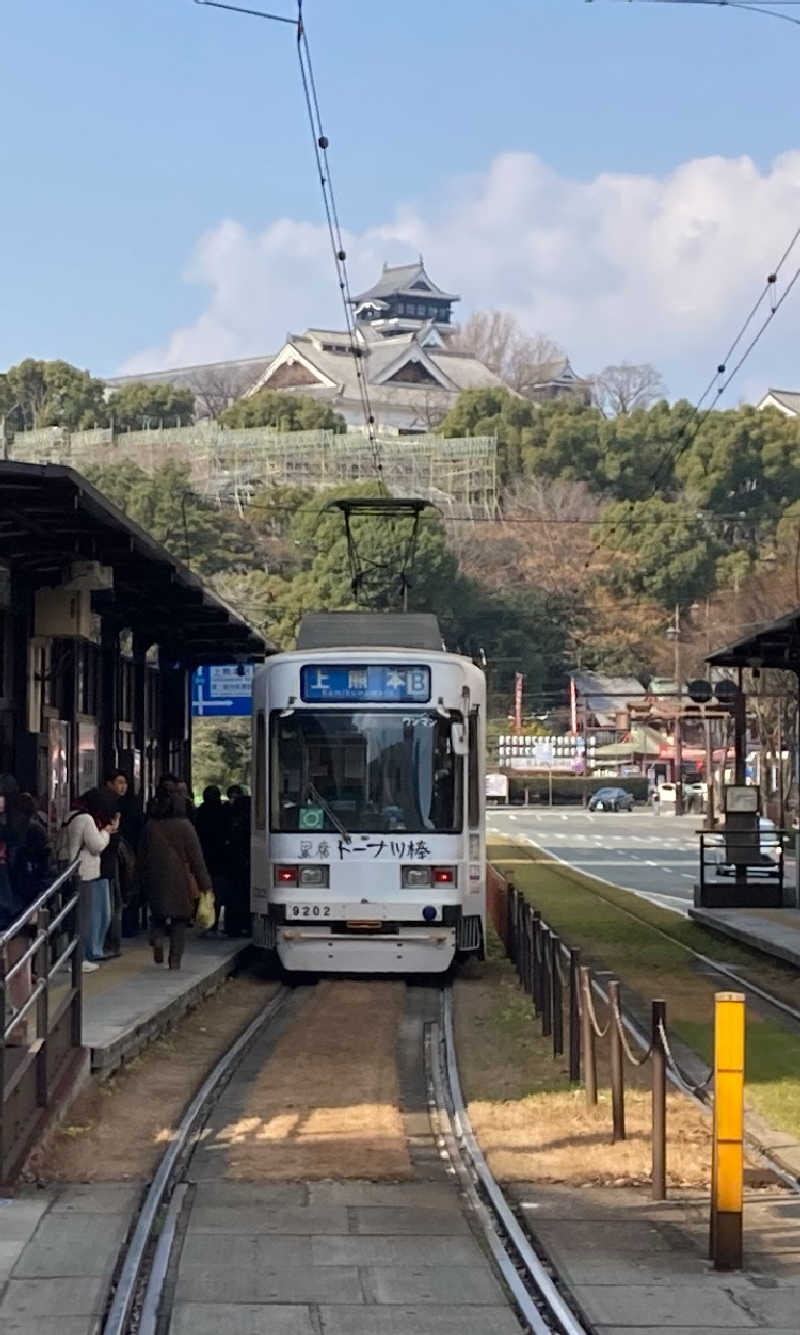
(87, 833)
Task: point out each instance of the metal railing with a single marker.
(40, 1013)
(563, 992)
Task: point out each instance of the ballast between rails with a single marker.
(538, 1300)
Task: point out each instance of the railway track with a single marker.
(142, 1295)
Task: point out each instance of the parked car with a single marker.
(611, 799)
(769, 854)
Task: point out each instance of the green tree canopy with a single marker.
(140, 405)
(36, 394)
(285, 412)
(658, 549)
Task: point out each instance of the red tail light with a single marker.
(286, 876)
(443, 876)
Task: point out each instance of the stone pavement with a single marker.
(348, 1258)
(773, 931)
(634, 1265)
(58, 1250)
(129, 1000)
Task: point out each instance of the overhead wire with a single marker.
(321, 144)
(743, 5)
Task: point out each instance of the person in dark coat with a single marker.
(237, 912)
(213, 831)
(26, 867)
(171, 871)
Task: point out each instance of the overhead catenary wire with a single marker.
(771, 12)
(321, 144)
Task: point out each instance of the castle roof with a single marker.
(404, 280)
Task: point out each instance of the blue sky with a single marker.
(159, 200)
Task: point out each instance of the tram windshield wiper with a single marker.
(330, 813)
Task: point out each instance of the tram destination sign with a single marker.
(373, 683)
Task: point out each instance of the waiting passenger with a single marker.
(172, 873)
(237, 912)
(88, 832)
(213, 831)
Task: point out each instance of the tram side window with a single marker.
(474, 786)
(261, 773)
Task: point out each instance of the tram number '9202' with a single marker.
(308, 910)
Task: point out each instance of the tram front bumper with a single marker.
(366, 949)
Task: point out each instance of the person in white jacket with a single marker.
(88, 832)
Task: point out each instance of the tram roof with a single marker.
(370, 630)
(50, 517)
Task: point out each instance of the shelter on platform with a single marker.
(100, 629)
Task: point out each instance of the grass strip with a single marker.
(645, 947)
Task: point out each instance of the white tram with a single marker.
(368, 845)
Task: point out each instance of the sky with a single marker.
(619, 176)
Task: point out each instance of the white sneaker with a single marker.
(89, 966)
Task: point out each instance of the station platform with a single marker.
(772, 931)
(131, 1000)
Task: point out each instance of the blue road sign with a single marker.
(223, 692)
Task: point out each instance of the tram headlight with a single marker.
(313, 876)
(416, 878)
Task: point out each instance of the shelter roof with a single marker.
(605, 696)
(50, 517)
(776, 644)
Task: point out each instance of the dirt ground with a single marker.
(117, 1130)
(532, 1125)
(325, 1104)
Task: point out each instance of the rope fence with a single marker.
(563, 992)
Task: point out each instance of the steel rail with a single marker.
(120, 1310)
(472, 1155)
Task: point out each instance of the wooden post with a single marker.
(557, 994)
(617, 1071)
(587, 1036)
(659, 1105)
(574, 1015)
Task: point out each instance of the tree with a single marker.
(36, 394)
(140, 405)
(165, 505)
(285, 412)
(622, 388)
(217, 387)
(497, 339)
(658, 549)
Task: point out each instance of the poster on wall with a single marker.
(87, 756)
(58, 774)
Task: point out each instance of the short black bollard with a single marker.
(557, 994)
(659, 1021)
(617, 1074)
(574, 1015)
(511, 909)
(525, 953)
(546, 984)
(589, 1052)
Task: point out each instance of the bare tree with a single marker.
(497, 339)
(620, 389)
(216, 387)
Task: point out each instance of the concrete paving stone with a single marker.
(19, 1218)
(420, 1321)
(450, 1284)
(659, 1268)
(208, 1218)
(242, 1319)
(268, 1194)
(237, 1282)
(693, 1305)
(400, 1251)
(583, 1236)
(784, 1264)
(101, 1198)
(262, 1251)
(682, 1330)
(76, 1295)
(51, 1325)
(773, 1307)
(553, 1202)
(406, 1219)
(80, 1244)
(10, 1253)
(420, 1195)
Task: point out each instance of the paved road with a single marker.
(655, 856)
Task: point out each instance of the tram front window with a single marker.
(370, 773)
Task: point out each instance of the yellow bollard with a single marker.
(727, 1164)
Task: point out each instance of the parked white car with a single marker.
(769, 850)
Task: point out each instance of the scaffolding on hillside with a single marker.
(229, 466)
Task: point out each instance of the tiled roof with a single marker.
(787, 398)
(398, 281)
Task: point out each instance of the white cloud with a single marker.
(642, 268)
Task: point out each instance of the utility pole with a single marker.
(674, 633)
